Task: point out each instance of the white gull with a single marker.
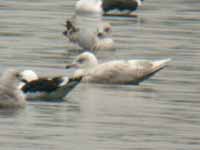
(115, 72)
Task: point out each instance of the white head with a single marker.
(11, 96)
(104, 37)
(139, 2)
(29, 75)
(89, 6)
(85, 60)
(104, 29)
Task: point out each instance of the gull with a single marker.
(108, 7)
(10, 95)
(115, 72)
(100, 39)
(37, 88)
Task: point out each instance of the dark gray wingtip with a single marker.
(67, 67)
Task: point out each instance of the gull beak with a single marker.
(100, 35)
(20, 78)
(71, 66)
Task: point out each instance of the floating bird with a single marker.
(36, 88)
(106, 7)
(115, 72)
(10, 95)
(89, 40)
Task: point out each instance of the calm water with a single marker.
(162, 113)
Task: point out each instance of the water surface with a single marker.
(160, 114)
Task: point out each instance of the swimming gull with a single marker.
(115, 72)
(37, 88)
(10, 95)
(100, 39)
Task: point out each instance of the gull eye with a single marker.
(17, 75)
(65, 33)
(107, 29)
(80, 61)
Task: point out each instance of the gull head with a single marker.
(11, 77)
(84, 61)
(89, 6)
(107, 28)
(28, 75)
(104, 30)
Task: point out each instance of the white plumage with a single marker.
(27, 76)
(115, 72)
(88, 39)
(10, 95)
(89, 6)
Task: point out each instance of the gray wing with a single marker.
(6, 93)
(9, 98)
(124, 72)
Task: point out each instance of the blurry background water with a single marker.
(161, 113)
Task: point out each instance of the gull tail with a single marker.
(72, 83)
(157, 66)
(67, 85)
(160, 64)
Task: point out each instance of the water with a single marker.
(160, 114)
